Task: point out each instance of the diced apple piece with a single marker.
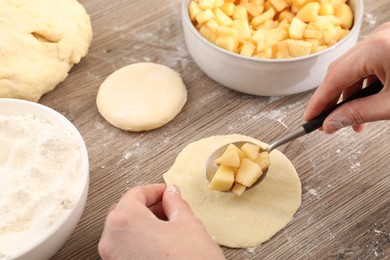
(254, 9)
(286, 15)
(221, 18)
(258, 36)
(280, 55)
(267, 53)
(267, 25)
(330, 18)
(206, 4)
(240, 153)
(194, 9)
(226, 42)
(269, 14)
(279, 5)
(248, 173)
(268, 5)
(282, 49)
(206, 32)
(312, 34)
(242, 27)
(229, 158)
(263, 161)
(284, 24)
(338, 3)
(341, 33)
(326, 9)
(251, 150)
(315, 42)
(298, 48)
(227, 31)
(223, 179)
(248, 48)
(300, 2)
(205, 16)
(297, 28)
(345, 14)
(257, 2)
(329, 33)
(213, 25)
(240, 13)
(309, 12)
(324, 26)
(318, 48)
(228, 8)
(238, 189)
(279, 34)
(263, 44)
(219, 3)
(295, 8)
(271, 37)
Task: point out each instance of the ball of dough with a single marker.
(237, 221)
(141, 96)
(40, 42)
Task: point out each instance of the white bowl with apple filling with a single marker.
(278, 74)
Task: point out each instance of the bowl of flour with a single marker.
(44, 173)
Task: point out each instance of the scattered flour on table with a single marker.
(40, 168)
(355, 154)
(369, 22)
(370, 19)
(280, 115)
(313, 192)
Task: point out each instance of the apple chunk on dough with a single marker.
(263, 161)
(229, 158)
(238, 189)
(251, 150)
(248, 173)
(223, 179)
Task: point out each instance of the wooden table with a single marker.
(345, 177)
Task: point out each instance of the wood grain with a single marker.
(345, 177)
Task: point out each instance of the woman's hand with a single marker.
(154, 222)
(369, 59)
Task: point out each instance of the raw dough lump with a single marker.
(237, 221)
(40, 42)
(141, 96)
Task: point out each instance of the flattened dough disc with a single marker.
(141, 96)
(237, 222)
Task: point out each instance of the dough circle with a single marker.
(244, 221)
(40, 42)
(141, 96)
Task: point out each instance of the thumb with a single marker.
(359, 111)
(174, 205)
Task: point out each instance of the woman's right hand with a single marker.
(368, 59)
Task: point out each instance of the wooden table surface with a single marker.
(345, 177)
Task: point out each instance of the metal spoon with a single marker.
(211, 167)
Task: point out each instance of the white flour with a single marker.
(40, 168)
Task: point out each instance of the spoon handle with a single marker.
(317, 122)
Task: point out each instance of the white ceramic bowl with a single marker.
(47, 244)
(265, 77)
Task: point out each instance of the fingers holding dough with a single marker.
(141, 96)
